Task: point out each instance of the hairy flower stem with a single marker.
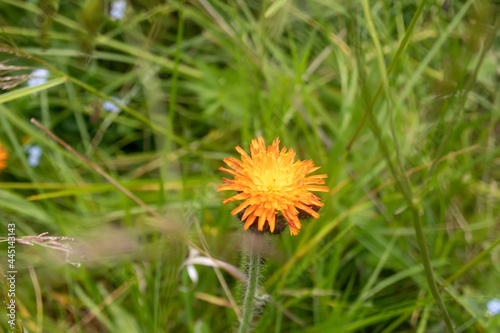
(253, 259)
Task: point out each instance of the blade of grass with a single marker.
(106, 41)
(432, 52)
(27, 91)
(363, 296)
(400, 49)
(469, 264)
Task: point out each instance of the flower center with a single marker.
(273, 180)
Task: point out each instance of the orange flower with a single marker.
(3, 158)
(272, 183)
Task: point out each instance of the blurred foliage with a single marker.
(193, 80)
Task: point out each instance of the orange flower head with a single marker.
(3, 158)
(271, 182)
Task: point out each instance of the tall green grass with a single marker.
(397, 101)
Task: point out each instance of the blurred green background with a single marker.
(397, 101)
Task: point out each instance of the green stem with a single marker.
(253, 279)
(424, 252)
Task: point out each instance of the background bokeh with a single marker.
(397, 101)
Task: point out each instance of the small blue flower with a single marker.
(494, 307)
(117, 11)
(39, 76)
(110, 106)
(34, 155)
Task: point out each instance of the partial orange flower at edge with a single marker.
(3, 158)
(271, 182)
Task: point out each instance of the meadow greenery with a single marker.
(397, 101)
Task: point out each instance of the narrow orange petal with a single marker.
(262, 220)
(307, 209)
(231, 162)
(256, 147)
(242, 153)
(232, 172)
(316, 201)
(259, 211)
(229, 187)
(271, 219)
(314, 181)
(313, 169)
(249, 211)
(249, 221)
(240, 207)
(239, 196)
(317, 176)
(235, 160)
(292, 219)
(262, 145)
(319, 179)
(294, 231)
(317, 188)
